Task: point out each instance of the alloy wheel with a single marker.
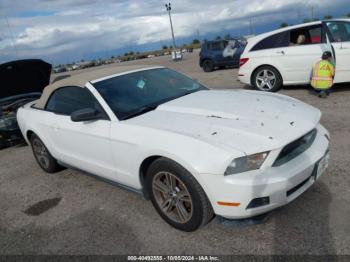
(41, 153)
(265, 80)
(172, 197)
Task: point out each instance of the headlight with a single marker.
(246, 163)
(2, 123)
(8, 122)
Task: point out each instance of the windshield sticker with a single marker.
(141, 84)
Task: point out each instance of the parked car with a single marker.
(176, 55)
(22, 81)
(60, 69)
(285, 56)
(220, 53)
(194, 152)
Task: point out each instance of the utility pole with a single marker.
(12, 36)
(197, 34)
(312, 13)
(168, 8)
(251, 25)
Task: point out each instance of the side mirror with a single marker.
(86, 114)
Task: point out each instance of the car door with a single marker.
(306, 46)
(83, 145)
(339, 35)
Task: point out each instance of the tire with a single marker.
(186, 195)
(208, 65)
(42, 155)
(267, 78)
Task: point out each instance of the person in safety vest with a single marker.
(322, 75)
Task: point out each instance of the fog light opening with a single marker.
(258, 202)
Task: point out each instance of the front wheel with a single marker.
(177, 196)
(42, 155)
(267, 79)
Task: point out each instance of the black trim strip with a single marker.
(111, 182)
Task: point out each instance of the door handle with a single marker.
(280, 52)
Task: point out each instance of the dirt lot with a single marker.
(87, 216)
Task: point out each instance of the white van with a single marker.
(285, 56)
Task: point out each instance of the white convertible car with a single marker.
(194, 152)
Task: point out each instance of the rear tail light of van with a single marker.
(243, 61)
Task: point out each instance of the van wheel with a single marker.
(208, 65)
(177, 196)
(42, 155)
(267, 78)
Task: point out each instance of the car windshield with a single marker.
(133, 94)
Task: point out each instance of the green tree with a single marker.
(195, 41)
(112, 57)
(306, 20)
(126, 54)
(348, 15)
(284, 24)
(218, 38)
(328, 17)
(164, 47)
(227, 37)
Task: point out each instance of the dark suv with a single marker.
(220, 53)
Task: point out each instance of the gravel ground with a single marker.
(86, 216)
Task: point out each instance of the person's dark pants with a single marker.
(323, 92)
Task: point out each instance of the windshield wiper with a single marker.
(140, 111)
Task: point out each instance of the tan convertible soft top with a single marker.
(82, 78)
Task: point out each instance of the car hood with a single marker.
(248, 121)
(24, 76)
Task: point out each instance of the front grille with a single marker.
(295, 148)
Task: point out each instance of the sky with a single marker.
(63, 31)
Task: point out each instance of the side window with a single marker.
(273, 41)
(340, 31)
(66, 100)
(216, 46)
(306, 35)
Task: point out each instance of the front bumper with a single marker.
(10, 137)
(280, 185)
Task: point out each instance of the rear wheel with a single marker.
(42, 155)
(177, 196)
(267, 78)
(208, 65)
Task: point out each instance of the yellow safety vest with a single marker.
(322, 75)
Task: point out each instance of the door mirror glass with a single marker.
(86, 114)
